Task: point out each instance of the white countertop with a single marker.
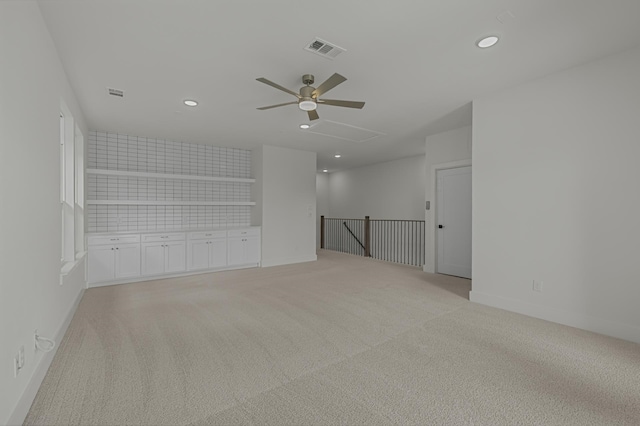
(169, 231)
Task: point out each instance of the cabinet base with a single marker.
(166, 276)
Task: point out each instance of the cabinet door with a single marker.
(152, 258)
(101, 264)
(175, 253)
(252, 246)
(198, 254)
(218, 253)
(127, 260)
(236, 251)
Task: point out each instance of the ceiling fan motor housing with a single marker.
(307, 91)
(307, 102)
(308, 79)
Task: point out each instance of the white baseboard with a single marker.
(167, 276)
(288, 261)
(572, 319)
(428, 268)
(24, 403)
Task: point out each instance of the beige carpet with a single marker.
(345, 340)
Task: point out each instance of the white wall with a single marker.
(556, 199)
(32, 83)
(443, 150)
(322, 201)
(389, 190)
(288, 205)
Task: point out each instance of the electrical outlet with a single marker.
(18, 362)
(537, 286)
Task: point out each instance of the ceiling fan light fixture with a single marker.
(307, 105)
(304, 126)
(190, 102)
(485, 42)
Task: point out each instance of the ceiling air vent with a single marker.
(115, 92)
(324, 48)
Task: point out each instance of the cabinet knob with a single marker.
(111, 248)
(117, 248)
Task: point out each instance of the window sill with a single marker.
(68, 267)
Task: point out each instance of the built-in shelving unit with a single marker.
(140, 184)
(169, 203)
(167, 176)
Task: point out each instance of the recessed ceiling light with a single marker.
(304, 126)
(487, 42)
(337, 155)
(325, 170)
(190, 102)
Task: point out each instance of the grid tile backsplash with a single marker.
(110, 151)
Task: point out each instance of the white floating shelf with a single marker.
(170, 203)
(167, 176)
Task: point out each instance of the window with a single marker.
(79, 193)
(71, 190)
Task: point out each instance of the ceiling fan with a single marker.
(309, 96)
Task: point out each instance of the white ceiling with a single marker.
(414, 62)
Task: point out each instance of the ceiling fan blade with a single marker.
(276, 106)
(313, 115)
(277, 86)
(329, 84)
(348, 104)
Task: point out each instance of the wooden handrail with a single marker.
(377, 220)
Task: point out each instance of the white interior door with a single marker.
(454, 221)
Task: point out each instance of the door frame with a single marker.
(431, 261)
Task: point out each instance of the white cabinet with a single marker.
(102, 264)
(121, 258)
(127, 260)
(207, 250)
(163, 254)
(113, 258)
(243, 247)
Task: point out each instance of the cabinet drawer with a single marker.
(244, 232)
(207, 234)
(112, 239)
(152, 238)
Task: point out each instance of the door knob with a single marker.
(440, 226)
